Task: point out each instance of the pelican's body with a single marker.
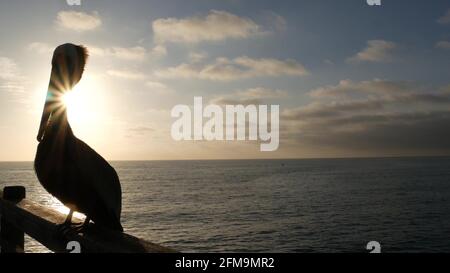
(67, 167)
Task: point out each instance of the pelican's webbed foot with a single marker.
(69, 228)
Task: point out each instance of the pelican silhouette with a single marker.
(67, 167)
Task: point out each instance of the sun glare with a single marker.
(85, 105)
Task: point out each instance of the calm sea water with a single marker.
(331, 205)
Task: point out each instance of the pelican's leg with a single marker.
(69, 218)
(80, 227)
(69, 227)
(86, 221)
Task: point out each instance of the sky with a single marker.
(352, 80)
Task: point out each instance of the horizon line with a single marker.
(237, 159)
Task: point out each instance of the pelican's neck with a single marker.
(59, 118)
(59, 123)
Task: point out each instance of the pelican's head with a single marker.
(68, 64)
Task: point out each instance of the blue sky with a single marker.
(351, 79)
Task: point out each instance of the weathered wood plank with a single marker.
(41, 223)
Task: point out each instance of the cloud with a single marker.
(132, 75)
(416, 133)
(347, 88)
(216, 26)
(132, 53)
(141, 129)
(11, 79)
(445, 19)
(272, 67)
(78, 21)
(275, 21)
(328, 62)
(8, 69)
(158, 87)
(197, 57)
(376, 51)
(137, 53)
(381, 91)
(150, 84)
(224, 69)
(443, 45)
(159, 51)
(262, 93)
(250, 96)
(41, 48)
(374, 117)
(126, 74)
(333, 109)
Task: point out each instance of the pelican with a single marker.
(67, 167)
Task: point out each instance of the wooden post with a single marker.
(11, 238)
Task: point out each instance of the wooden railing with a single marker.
(20, 216)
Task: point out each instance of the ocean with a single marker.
(310, 205)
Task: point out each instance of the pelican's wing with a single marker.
(100, 177)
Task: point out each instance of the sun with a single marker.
(86, 105)
(76, 103)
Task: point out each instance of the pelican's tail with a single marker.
(112, 223)
(117, 226)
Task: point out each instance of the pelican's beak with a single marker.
(46, 114)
